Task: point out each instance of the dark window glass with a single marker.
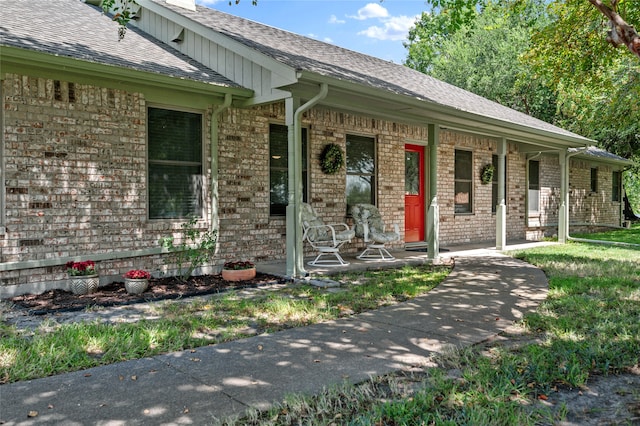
(616, 186)
(534, 186)
(279, 168)
(412, 173)
(594, 180)
(175, 164)
(361, 169)
(463, 181)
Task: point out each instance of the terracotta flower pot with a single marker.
(84, 284)
(238, 274)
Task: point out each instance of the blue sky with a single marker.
(371, 27)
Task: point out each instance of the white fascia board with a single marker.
(286, 74)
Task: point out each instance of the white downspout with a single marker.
(295, 258)
(214, 144)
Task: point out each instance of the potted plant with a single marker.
(83, 276)
(238, 270)
(136, 281)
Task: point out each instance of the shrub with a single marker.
(195, 248)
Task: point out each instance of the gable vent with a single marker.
(179, 36)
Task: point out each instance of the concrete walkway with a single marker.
(480, 298)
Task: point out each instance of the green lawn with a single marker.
(57, 348)
(589, 324)
(629, 236)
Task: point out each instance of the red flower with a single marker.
(88, 267)
(137, 274)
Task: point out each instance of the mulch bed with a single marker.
(114, 294)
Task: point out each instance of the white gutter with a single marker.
(295, 257)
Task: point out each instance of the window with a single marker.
(279, 168)
(534, 186)
(361, 170)
(463, 181)
(494, 183)
(594, 179)
(175, 164)
(616, 186)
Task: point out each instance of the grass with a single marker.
(589, 325)
(629, 236)
(57, 348)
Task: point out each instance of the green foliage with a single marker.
(482, 54)
(195, 248)
(331, 159)
(122, 11)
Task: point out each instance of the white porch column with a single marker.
(433, 214)
(293, 192)
(563, 214)
(295, 254)
(501, 208)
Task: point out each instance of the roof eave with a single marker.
(14, 59)
(451, 117)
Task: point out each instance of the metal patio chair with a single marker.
(371, 228)
(325, 239)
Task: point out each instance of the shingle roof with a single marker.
(71, 28)
(306, 54)
(600, 154)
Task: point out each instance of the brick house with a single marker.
(109, 145)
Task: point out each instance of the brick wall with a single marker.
(76, 181)
(586, 207)
(480, 225)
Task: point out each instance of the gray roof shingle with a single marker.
(71, 28)
(304, 53)
(600, 154)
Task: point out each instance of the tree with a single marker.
(617, 12)
(621, 32)
(482, 54)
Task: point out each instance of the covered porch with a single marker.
(408, 256)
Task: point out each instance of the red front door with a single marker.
(414, 193)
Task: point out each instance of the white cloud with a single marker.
(333, 19)
(371, 10)
(395, 28)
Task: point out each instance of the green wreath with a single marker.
(331, 159)
(487, 174)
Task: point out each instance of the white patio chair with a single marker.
(326, 239)
(371, 228)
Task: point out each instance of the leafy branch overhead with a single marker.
(621, 33)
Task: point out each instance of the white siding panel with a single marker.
(247, 71)
(198, 48)
(213, 56)
(222, 61)
(237, 68)
(229, 63)
(256, 75)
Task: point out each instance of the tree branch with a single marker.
(621, 32)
